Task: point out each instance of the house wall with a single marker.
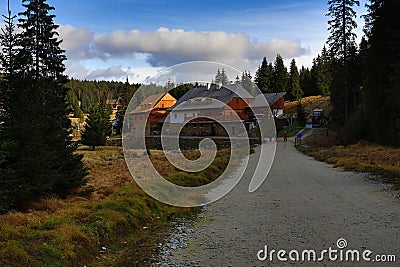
(152, 123)
(209, 128)
(239, 105)
(197, 129)
(183, 116)
(151, 119)
(280, 104)
(166, 102)
(202, 126)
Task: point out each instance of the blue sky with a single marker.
(112, 39)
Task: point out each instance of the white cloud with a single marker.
(77, 42)
(115, 73)
(166, 47)
(112, 73)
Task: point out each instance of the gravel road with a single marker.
(303, 205)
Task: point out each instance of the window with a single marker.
(200, 125)
(175, 116)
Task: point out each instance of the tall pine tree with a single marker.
(280, 75)
(381, 88)
(263, 77)
(323, 73)
(221, 77)
(341, 43)
(306, 81)
(9, 40)
(40, 156)
(294, 92)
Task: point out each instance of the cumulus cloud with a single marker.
(112, 73)
(77, 42)
(115, 73)
(166, 47)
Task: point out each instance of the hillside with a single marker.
(310, 103)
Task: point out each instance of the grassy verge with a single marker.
(362, 157)
(291, 131)
(109, 222)
(183, 178)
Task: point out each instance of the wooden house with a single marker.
(203, 109)
(150, 114)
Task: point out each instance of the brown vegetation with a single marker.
(110, 211)
(362, 157)
(310, 103)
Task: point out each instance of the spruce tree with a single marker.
(263, 77)
(306, 81)
(224, 77)
(280, 75)
(341, 42)
(221, 77)
(247, 83)
(97, 126)
(39, 157)
(9, 40)
(218, 77)
(8, 68)
(294, 92)
(381, 88)
(44, 58)
(323, 73)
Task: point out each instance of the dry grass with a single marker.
(320, 139)
(110, 211)
(183, 178)
(362, 157)
(310, 103)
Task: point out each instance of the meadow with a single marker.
(109, 222)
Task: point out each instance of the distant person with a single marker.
(270, 137)
(284, 136)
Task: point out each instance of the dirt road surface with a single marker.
(303, 205)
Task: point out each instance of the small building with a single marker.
(150, 114)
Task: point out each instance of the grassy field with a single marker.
(362, 157)
(183, 178)
(109, 222)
